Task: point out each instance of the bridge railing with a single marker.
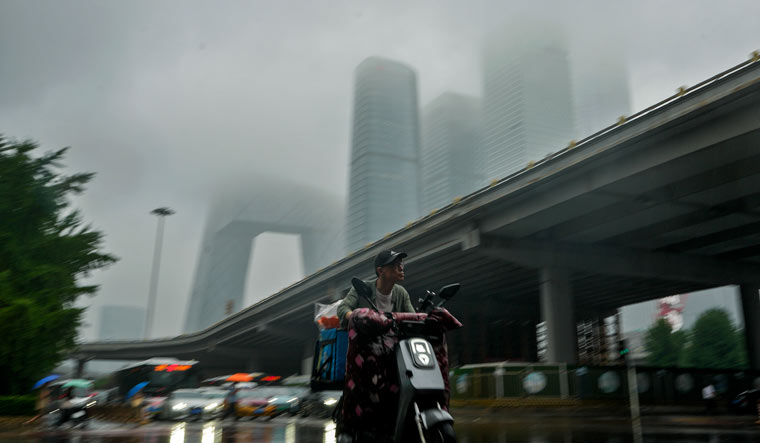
(656, 386)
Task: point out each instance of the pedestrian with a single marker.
(137, 404)
(230, 402)
(709, 397)
(388, 295)
(42, 406)
(65, 406)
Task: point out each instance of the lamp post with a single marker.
(161, 213)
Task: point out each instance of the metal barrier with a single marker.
(656, 386)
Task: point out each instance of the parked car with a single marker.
(320, 403)
(186, 404)
(285, 399)
(214, 407)
(251, 402)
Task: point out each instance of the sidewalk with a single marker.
(606, 415)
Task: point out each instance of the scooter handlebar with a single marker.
(368, 321)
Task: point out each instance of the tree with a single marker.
(44, 251)
(663, 345)
(714, 342)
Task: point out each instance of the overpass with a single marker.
(664, 202)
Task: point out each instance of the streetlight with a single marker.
(161, 213)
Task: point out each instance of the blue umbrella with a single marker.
(47, 379)
(135, 389)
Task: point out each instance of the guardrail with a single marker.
(541, 382)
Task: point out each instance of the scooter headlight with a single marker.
(330, 401)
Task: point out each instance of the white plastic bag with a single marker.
(326, 316)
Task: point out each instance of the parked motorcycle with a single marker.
(397, 373)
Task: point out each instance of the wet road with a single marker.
(289, 430)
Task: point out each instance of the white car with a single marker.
(192, 404)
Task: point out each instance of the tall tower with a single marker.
(453, 160)
(383, 192)
(527, 95)
(241, 212)
(600, 80)
(121, 322)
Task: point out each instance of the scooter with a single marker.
(73, 411)
(422, 396)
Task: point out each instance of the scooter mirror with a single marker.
(447, 292)
(364, 291)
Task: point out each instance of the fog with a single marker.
(162, 100)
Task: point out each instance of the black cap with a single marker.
(387, 257)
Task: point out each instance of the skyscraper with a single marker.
(121, 322)
(600, 82)
(452, 160)
(241, 212)
(527, 95)
(383, 192)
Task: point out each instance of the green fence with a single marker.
(661, 386)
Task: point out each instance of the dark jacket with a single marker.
(399, 298)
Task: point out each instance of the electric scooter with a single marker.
(73, 411)
(421, 403)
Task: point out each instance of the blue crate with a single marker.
(330, 358)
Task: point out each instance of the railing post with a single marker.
(498, 375)
(633, 394)
(563, 383)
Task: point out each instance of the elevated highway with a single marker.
(665, 202)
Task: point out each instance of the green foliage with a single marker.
(714, 342)
(663, 346)
(44, 251)
(17, 405)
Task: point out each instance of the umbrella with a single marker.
(240, 376)
(47, 379)
(78, 383)
(135, 389)
(245, 385)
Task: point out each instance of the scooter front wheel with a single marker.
(441, 433)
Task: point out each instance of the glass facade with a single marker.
(121, 323)
(453, 161)
(383, 192)
(527, 97)
(236, 218)
(601, 88)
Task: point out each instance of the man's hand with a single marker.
(348, 315)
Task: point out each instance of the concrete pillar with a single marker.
(751, 310)
(254, 364)
(80, 368)
(557, 312)
(468, 344)
(307, 358)
(482, 354)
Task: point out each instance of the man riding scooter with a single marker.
(388, 341)
(71, 408)
(388, 295)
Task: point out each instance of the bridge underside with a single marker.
(666, 204)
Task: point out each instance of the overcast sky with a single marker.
(163, 99)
